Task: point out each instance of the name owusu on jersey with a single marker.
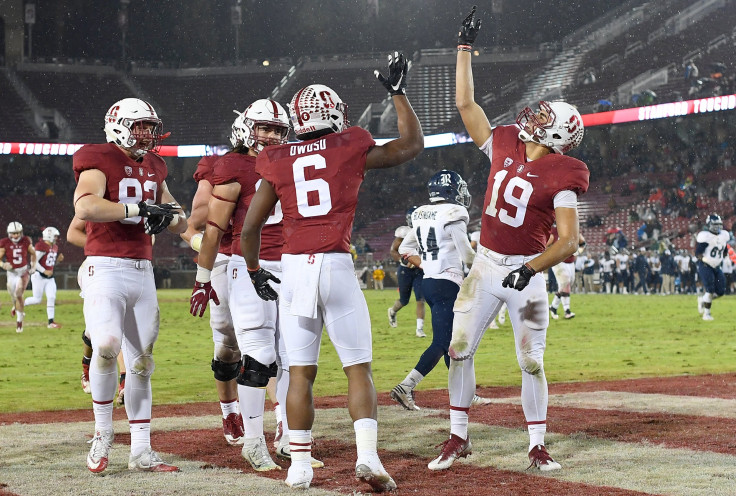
(309, 148)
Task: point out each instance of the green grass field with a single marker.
(612, 337)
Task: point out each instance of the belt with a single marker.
(502, 259)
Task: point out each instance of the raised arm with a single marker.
(410, 142)
(474, 118)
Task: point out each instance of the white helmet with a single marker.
(15, 231)
(124, 126)
(562, 131)
(316, 108)
(265, 112)
(50, 234)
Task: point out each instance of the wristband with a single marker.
(529, 267)
(131, 210)
(464, 48)
(196, 242)
(250, 271)
(203, 275)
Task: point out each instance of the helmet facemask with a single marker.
(248, 128)
(15, 231)
(133, 124)
(556, 125)
(715, 224)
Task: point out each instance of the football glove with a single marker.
(468, 30)
(260, 278)
(519, 279)
(395, 83)
(157, 217)
(202, 293)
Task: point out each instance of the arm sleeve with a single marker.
(459, 234)
(566, 199)
(409, 246)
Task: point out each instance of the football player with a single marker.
(122, 195)
(531, 184)
(47, 256)
(317, 183)
(409, 277)
(565, 275)
(17, 250)
(438, 244)
(255, 321)
(710, 250)
(501, 317)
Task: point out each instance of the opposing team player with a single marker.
(530, 185)
(122, 195)
(47, 256)
(17, 250)
(317, 182)
(226, 361)
(438, 244)
(565, 275)
(710, 250)
(409, 277)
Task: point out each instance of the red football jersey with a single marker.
(317, 182)
(16, 253)
(518, 210)
(204, 171)
(240, 168)
(46, 255)
(128, 181)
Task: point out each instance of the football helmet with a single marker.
(265, 112)
(15, 231)
(410, 211)
(449, 185)
(50, 235)
(714, 223)
(133, 124)
(562, 130)
(317, 108)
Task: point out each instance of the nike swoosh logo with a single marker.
(396, 86)
(151, 175)
(529, 174)
(253, 417)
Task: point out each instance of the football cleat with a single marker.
(376, 477)
(452, 449)
(539, 458)
(392, 318)
(479, 401)
(149, 461)
(19, 327)
(569, 314)
(54, 325)
(553, 313)
(420, 333)
(299, 476)
(404, 397)
(233, 429)
(256, 453)
(100, 451)
(707, 316)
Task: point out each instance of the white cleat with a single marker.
(480, 400)
(421, 334)
(149, 461)
(707, 316)
(539, 458)
(299, 476)
(376, 476)
(392, 318)
(100, 451)
(256, 453)
(404, 397)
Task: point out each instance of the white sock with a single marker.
(230, 406)
(19, 316)
(140, 437)
(103, 416)
(300, 444)
(420, 324)
(412, 379)
(536, 434)
(565, 303)
(251, 406)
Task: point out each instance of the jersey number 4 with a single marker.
(520, 202)
(431, 248)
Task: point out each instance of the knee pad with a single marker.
(563, 294)
(86, 339)
(225, 371)
(255, 374)
(143, 366)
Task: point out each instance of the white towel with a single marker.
(305, 288)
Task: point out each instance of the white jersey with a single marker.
(402, 231)
(683, 262)
(655, 264)
(622, 261)
(716, 246)
(440, 237)
(580, 262)
(606, 265)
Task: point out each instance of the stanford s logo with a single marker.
(310, 260)
(235, 272)
(520, 168)
(327, 98)
(573, 124)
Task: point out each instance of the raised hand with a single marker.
(468, 31)
(395, 83)
(260, 278)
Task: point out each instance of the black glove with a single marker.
(468, 30)
(260, 278)
(157, 217)
(519, 278)
(396, 81)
